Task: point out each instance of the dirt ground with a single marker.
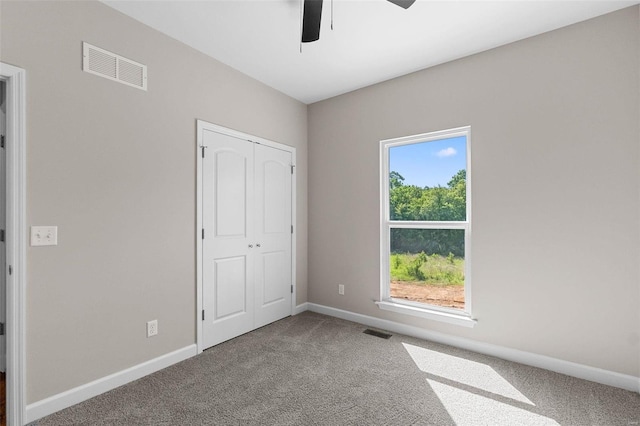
(451, 296)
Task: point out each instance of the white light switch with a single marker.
(44, 235)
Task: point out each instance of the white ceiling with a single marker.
(372, 40)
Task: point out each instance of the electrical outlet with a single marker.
(152, 328)
(341, 289)
(44, 235)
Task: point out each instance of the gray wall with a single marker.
(555, 169)
(114, 168)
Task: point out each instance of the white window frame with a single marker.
(438, 313)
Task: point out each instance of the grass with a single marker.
(426, 269)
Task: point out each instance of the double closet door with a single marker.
(247, 236)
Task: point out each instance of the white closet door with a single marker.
(273, 234)
(227, 249)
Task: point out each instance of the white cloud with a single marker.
(447, 152)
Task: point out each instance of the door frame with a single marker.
(16, 239)
(201, 127)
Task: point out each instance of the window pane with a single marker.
(427, 266)
(427, 180)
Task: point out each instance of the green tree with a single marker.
(460, 177)
(395, 180)
(410, 202)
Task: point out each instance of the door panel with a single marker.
(273, 271)
(275, 176)
(231, 182)
(227, 275)
(230, 286)
(273, 234)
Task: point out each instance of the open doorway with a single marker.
(13, 239)
(3, 257)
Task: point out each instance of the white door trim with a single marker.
(201, 126)
(16, 238)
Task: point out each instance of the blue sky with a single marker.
(429, 163)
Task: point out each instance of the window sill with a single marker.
(452, 318)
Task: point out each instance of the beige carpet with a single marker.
(316, 370)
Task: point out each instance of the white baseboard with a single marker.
(580, 371)
(50, 405)
(301, 308)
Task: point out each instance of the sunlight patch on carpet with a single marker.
(464, 371)
(467, 408)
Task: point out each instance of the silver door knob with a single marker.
(257, 245)
(250, 245)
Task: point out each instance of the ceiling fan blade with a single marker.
(403, 3)
(311, 20)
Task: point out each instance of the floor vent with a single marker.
(377, 333)
(114, 67)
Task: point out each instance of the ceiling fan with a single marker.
(312, 13)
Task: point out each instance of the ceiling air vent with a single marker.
(114, 67)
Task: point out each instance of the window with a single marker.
(426, 226)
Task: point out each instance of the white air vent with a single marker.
(114, 67)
